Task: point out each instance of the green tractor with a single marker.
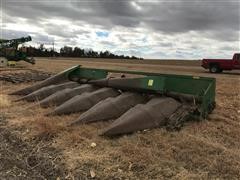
(10, 53)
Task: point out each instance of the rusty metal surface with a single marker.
(47, 91)
(62, 96)
(144, 116)
(84, 101)
(111, 108)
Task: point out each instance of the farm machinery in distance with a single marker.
(10, 52)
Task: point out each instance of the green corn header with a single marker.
(199, 90)
(137, 100)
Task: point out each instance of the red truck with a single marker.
(218, 65)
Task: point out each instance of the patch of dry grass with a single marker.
(47, 127)
(4, 101)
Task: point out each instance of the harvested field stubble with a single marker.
(4, 101)
(21, 76)
(200, 150)
(27, 159)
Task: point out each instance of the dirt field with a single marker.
(33, 146)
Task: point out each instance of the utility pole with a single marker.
(53, 49)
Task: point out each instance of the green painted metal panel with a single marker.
(89, 73)
(71, 71)
(186, 85)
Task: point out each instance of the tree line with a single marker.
(68, 51)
